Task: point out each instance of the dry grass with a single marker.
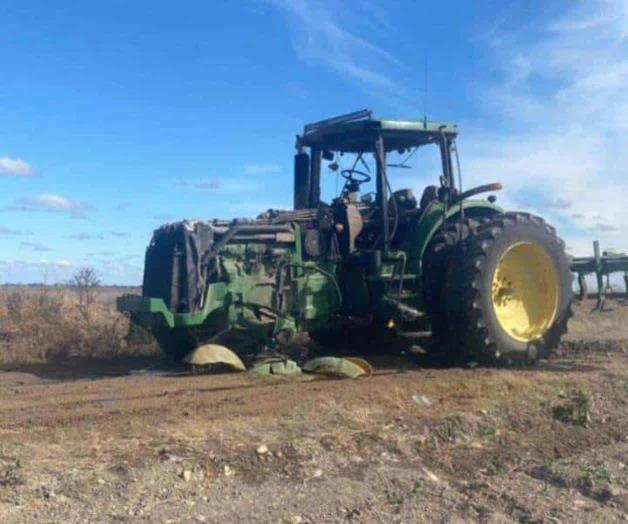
(50, 323)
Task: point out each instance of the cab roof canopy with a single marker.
(357, 133)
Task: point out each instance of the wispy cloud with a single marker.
(262, 169)
(122, 269)
(80, 236)
(603, 227)
(43, 270)
(15, 167)
(201, 184)
(49, 270)
(164, 218)
(321, 37)
(42, 263)
(35, 246)
(52, 203)
(557, 203)
(86, 236)
(562, 108)
(226, 185)
(10, 232)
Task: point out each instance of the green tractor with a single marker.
(491, 286)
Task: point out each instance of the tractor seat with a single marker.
(404, 199)
(430, 193)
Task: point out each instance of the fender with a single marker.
(426, 226)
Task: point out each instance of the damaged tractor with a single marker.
(371, 262)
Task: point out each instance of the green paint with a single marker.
(271, 288)
(311, 298)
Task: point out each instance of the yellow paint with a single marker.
(525, 291)
(210, 354)
(366, 366)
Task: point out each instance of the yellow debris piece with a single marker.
(210, 354)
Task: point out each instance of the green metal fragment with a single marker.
(287, 368)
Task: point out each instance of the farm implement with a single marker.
(602, 265)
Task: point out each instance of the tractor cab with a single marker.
(370, 219)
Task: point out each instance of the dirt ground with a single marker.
(85, 441)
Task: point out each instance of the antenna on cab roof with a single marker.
(425, 87)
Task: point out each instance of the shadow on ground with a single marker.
(406, 358)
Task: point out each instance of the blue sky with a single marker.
(118, 116)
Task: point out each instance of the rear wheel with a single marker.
(436, 263)
(508, 297)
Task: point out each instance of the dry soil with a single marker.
(85, 441)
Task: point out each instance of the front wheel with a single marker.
(509, 296)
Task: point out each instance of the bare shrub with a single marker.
(86, 283)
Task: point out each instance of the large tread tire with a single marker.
(436, 262)
(472, 319)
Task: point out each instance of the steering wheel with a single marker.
(350, 176)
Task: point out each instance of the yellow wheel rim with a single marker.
(525, 291)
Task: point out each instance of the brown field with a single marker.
(51, 323)
(82, 440)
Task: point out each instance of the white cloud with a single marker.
(114, 269)
(54, 202)
(15, 167)
(50, 271)
(565, 104)
(42, 270)
(320, 38)
(50, 202)
(41, 263)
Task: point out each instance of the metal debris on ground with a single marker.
(366, 366)
(276, 366)
(213, 354)
(339, 367)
